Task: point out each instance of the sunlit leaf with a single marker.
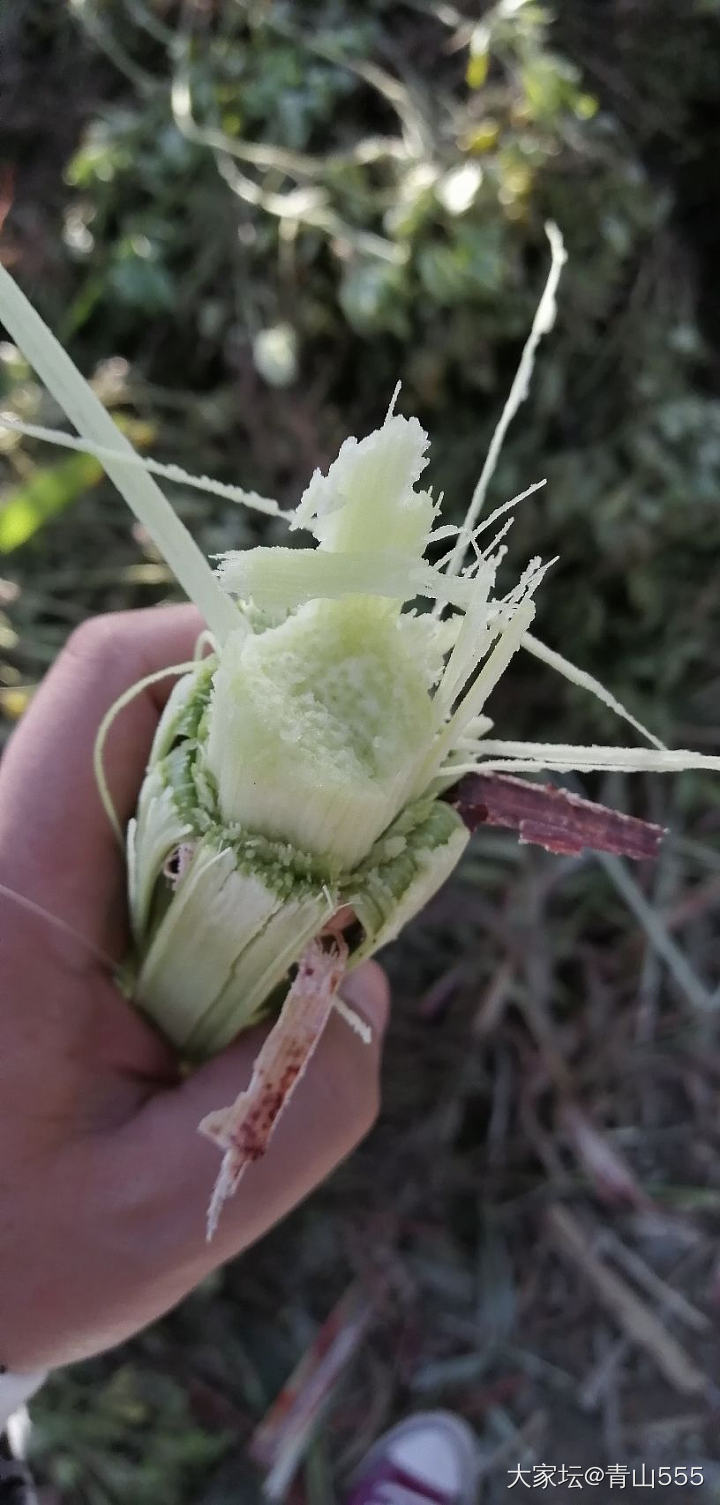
(26, 507)
(14, 700)
(371, 298)
(478, 58)
(477, 69)
(482, 137)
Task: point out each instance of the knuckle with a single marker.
(96, 638)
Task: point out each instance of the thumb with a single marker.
(334, 1106)
(128, 1233)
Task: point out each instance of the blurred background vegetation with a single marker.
(247, 219)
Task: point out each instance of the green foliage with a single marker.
(48, 491)
(284, 196)
(165, 1455)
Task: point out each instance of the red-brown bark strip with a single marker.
(552, 818)
(243, 1131)
(282, 1436)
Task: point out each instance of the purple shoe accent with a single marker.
(386, 1484)
(429, 1459)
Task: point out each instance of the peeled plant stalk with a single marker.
(301, 770)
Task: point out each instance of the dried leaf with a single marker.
(284, 1434)
(610, 1174)
(632, 1314)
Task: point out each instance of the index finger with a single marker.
(57, 847)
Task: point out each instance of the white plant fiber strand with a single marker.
(468, 539)
(102, 733)
(142, 494)
(541, 325)
(585, 681)
(39, 910)
(169, 472)
(534, 757)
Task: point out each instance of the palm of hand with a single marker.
(104, 1180)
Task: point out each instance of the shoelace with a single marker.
(387, 1492)
(394, 1487)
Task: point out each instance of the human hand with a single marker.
(104, 1181)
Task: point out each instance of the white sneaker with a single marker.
(430, 1459)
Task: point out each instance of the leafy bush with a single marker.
(285, 209)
